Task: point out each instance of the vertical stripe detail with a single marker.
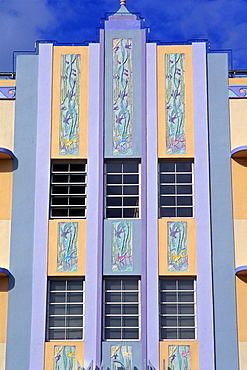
(22, 224)
(42, 183)
(152, 210)
(225, 328)
(93, 288)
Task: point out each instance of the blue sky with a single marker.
(222, 22)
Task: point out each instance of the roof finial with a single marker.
(122, 2)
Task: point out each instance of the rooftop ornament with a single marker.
(123, 2)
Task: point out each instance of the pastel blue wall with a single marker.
(225, 328)
(23, 211)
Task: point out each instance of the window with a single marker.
(121, 309)
(177, 309)
(175, 189)
(68, 189)
(65, 309)
(122, 189)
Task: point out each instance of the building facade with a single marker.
(123, 206)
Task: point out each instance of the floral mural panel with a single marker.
(122, 97)
(65, 358)
(122, 246)
(121, 357)
(175, 104)
(177, 235)
(67, 249)
(179, 357)
(70, 104)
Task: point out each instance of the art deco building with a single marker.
(123, 211)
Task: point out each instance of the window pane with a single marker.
(184, 167)
(130, 201)
(130, 321)
(114, 179)
(184, 201)
(168, 321)
(167, 167)
(168, 333)
(60, 167)
(74, 309)
(168, 297)
(59, 212)
(185, 297)
(112, 333)
(167, 201)
(112, 284)
(130, 179)
(130, 284)
(184, 189)
(77, 178)
(130, 212)
(77, 167)
(186, 321)
(56, 321)
(185, 284)
(130, 309)
(113, 167)
(113, 201)
(184, 212)
(131, 190)
(74, 321)
(77, 201)
(130, 167)
(168, 309)
(168, 284)
(57, 285)
(56, 334)
(130, 297)
(113, 309)
(167, 189)
(167, 179)
(60, 178)
(114, 213)
(113, 297)
(74, 297)
(186, 333)
(186, 309)
(185, 178)
(114, 190)
(56, 309)
(57, 297)
(113, 321)
(167, 212)
(130, 333)
(74, 334)
(57, 189)
(74, 285)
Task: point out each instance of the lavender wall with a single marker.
(152, 211)
(202, 211)
(41, 211)
(93, 288)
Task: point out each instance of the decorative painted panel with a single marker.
(121, 357)
(237, 91)
(65, 358)
(177, 233)
(122, 97)
(179, 357)
(122, 246)
(175, 104)
(67, 249)
(70, 104)
(7, 92)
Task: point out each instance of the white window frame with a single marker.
(176, 206)
(177, 303)
(138, 315)
(69, 196)
(66, 303)
(122, 196)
